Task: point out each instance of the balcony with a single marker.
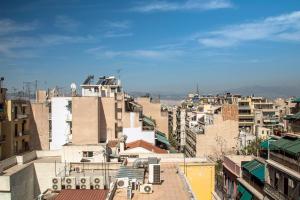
(286, 161)
(23, 133)
(272, 192)
(2, 139)
(22, 116)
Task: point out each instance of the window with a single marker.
(16, 130)
(16, 112)
(23, 110)
(291, 183)
(87, 154)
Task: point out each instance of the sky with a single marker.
(154, 46)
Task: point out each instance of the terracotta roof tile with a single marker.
(82, 195)
(112, 143)
(145, 145)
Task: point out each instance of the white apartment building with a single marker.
(60, 122)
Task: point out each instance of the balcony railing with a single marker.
(272, 192)
(22, 116)
(286, 161)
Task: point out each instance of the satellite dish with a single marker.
(73, 87)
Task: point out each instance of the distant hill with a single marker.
(267, 91)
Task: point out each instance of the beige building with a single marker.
(153, 110)
(2, 119)
(40, 123)
(215, 138)
(17, 127)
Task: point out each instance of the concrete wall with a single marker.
(74, 153)
(108, 118)
(60, 126)
(86, 120)
(219, 137)
(40, 126)
(153, 110)
(131, 120)
(134, 134)
(201, 178)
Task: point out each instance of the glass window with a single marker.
(87, 154)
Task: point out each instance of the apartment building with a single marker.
(41, 121)
(153, 109)
(232, 170)
(2, 117)
(293, 118)
(251, 184)
(212, 133)
(246, 115)
(61, 122)
(283, 169)
(111, 98)
(16, 127)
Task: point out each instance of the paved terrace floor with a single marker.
(171, 188)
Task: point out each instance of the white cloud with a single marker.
(66, 23)
(8, 26)
(114, 29)
(280, 28)
(12, 45)
(138, 53)
(161, 6)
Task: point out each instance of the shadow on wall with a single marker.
(102, 123)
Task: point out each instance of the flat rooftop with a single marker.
(237, 159)
(172, 187)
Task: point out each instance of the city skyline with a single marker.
(166, 46)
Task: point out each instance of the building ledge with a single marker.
(284, 169)
(251, 189)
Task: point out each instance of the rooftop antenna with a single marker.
(118, 72)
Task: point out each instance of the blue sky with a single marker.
(159, 46)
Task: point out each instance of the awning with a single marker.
(160, 133)
(148, 121)
(296, 100)
(255, 168)
(293, 147)
(162, 139)
(266, 144)
(245, 194)
(293, 117)
(281, 143)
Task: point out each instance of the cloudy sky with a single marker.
(157, 46)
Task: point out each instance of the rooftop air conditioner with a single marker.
(70, 183)
(98, 182)
(85, 182)
(122, 182)
(154, 173)
(56, 184)
(146, 188)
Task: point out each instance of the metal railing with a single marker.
(272, 192)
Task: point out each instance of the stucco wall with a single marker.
(108, 118)
(40, 126)
(85, 120)
(219, 137)
(153, 110)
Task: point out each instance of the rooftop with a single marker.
(82, 194)
(171, 188)
(145, 145)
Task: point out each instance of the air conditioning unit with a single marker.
(56, 184)
(154, 173)
(146, 188)
(122, 182)
(98, 182)
(85, 182)
(70, 183)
